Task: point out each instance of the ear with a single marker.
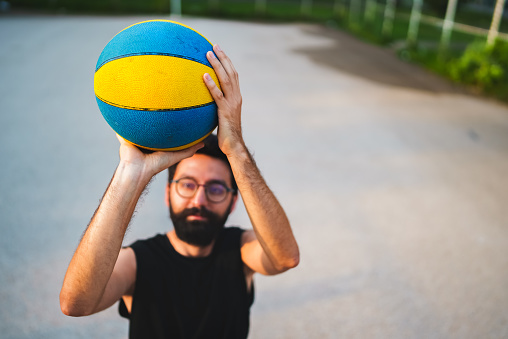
(166, 198)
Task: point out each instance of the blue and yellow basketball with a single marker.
(149, 85)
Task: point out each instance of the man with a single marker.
(195, 281)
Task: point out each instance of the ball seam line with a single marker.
(151, 53)
(162, 20)
(154, 109)
(176, 148)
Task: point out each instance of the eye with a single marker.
(216, 189)
(188, 185)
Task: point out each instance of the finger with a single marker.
(124, 142)
(161, 160)
(188, 152)
(185, 153)
(215, 92)
(224, 79)
(225, 61)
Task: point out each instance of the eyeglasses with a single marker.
(215, 191)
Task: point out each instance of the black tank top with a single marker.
(182, 297)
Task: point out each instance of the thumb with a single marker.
(163, 159)
(186, 153)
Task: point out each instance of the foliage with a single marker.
(485, 67)
(94, 6)
(439, 6)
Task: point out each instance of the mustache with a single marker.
(202, 212)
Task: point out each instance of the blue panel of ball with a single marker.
(157, 37)
(161, 129)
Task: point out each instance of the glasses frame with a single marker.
(228, 189)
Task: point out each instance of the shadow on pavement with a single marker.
(358, 58)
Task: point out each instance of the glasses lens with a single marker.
(216, 192)
(187, 187)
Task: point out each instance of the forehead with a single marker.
(203, 168)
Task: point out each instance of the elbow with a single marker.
(71, 311)
(293, 258)
(68, 310)
(71, 308)
(293, 262)
(289, 263)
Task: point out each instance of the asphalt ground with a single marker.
(395, 182)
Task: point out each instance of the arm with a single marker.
(99, 272)
(271, 248)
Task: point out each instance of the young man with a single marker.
(196, 280)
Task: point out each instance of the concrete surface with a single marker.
(395, 182)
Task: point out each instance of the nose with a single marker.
(199, 198)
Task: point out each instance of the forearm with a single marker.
(94, 259)
(268, 218)
(271, 226)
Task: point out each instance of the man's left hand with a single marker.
(228, 99)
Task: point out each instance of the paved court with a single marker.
(395, 182)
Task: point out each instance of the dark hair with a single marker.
(211, 149)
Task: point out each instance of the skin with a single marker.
(206, 169)
(101, 272)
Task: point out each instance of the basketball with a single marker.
(149, 85)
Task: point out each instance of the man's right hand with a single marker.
(149, 164)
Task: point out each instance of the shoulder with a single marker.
(158, 241)
(147, 241)
(247, 237)
(150, 252)
(130, 252)
(249, 241)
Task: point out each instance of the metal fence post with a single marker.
(414, 22)
(306, 7)
(448, 25)
(387, 28)
(354, 12)
(175, 7)
(260, 6)
(370, 10)
(496, 21)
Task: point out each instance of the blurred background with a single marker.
(464, 40)
(381, 126)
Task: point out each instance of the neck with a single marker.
(188, 250)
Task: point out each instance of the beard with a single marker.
(198, 232)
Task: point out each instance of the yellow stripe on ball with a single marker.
(153, 82)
